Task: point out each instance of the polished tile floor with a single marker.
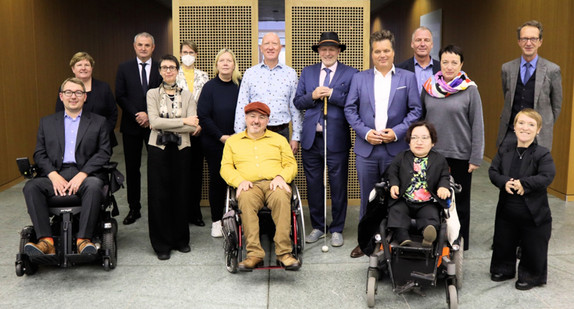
(327, 280)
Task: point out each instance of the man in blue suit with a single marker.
(381, 104)
(328, 79)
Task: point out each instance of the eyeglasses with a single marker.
(68, 93)
(170, 68)
(533, 40)
(422, 138)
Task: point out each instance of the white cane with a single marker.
(325, 248)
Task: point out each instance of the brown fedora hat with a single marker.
(329, 39)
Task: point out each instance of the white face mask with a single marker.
(188, 60)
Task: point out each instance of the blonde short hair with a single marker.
(79, 56)
(529, 112)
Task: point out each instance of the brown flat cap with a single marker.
(257, 107)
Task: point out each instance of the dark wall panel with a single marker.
(40, 38)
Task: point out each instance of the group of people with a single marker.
(418, 121)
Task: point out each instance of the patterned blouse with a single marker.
(417, 191)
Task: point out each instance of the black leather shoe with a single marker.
(184, 249)
(357, 252)
(132, 216)
(523, 286)
(163, 255)
(497, 277)
(198, 222)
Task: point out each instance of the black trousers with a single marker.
(337, 168)
(196, 170)
(513, 227)
(401, 212)
(459, 171)
(38, 190)
(133, 145)
(168, 197)
(217, 186)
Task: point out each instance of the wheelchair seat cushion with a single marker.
(64, 201)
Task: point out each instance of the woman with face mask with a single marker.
(191, 79)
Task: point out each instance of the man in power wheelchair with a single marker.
(73, 180)
(404, 219)
(260, 164)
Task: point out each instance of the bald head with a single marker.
(270, 49)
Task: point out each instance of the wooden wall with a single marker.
(486, 30)
(39, 38)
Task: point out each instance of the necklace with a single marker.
(520, 155)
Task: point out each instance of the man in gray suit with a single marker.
(530, 82)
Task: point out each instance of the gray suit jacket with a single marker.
(547, 97)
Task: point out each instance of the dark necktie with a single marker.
(527, 66)
(327, 80)
(144, 77)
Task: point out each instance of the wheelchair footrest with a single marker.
(82, 258)
(45, 259)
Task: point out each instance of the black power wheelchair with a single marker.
(64, 224)
(413, 267)
(234, 244)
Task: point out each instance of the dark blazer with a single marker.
(99, 101)
(92, 144)
(537, 170)
(409, 65)
(338, 133)
(130, 95)
(400, 173)
(547, 97)
(404, 108)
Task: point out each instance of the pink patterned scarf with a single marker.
(438, 88)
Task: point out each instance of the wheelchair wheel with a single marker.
(23, 265)
(109, 245)
(19, 268)
(300, 236)
(452, 297)
(231, 261)
(458, 259)
(371, 291)
(231, 243)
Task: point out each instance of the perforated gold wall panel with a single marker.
(213, 25)
(304, 21)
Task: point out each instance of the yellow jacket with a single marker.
(250, 159)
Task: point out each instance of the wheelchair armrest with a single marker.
(26, 169)
(110, 166)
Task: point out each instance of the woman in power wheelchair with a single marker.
(65, 212)
(403, 206)
(233, 230)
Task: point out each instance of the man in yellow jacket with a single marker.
(260, 164)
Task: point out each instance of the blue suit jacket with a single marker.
(338, 136)
(404, 109)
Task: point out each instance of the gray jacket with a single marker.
(547, 97)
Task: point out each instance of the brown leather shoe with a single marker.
(357, 252)
(289, 262)
(41, 248)
(85, 246)
(249, 263)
